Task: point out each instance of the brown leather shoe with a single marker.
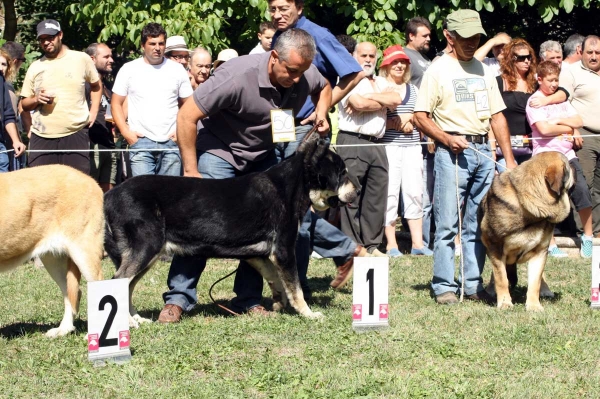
(170, 314)
(259, 310)
(344, 272)
(481, 296)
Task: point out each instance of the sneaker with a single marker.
(378, 253)
(394, 253)
(315, 255)
(556, 252)
(447, 298)
(421, 251)
(587, 245)
(481, 296)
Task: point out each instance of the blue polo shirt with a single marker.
(332, 59)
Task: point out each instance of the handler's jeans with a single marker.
(144, 162)
(3, 158)
(475, 174)
(315, 232)
(185, 271)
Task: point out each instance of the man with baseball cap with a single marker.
(54, 87)
(458, 103)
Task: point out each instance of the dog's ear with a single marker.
(556, 176)
(309, 142)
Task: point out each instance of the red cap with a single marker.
(392, 54)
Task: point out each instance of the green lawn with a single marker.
(467, 351)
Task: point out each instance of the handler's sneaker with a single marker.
(555, 252)
(586, 247)
(170, 314)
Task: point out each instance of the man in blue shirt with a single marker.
(335, 63)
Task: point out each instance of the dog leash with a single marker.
(460, 256)
(213, 299)
(314, 129)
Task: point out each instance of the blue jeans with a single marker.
(475, 174)
(428, 180)
(316, 233)
(185, 271)
(3, 158)
(143, 162)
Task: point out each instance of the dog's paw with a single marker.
(534, 307)
(505, 304)
(315, 315)
(278, 306)
(546, 294)
(60, 331)
(136, 320)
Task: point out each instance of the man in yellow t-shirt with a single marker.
(458, 103)
(54, 88)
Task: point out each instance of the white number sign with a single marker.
(370, 308)
(282, 125)
(595, 297)
(108, 320)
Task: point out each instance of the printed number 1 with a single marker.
(370, 279)
(108, 299)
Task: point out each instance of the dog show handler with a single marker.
(458, 103)
(226, 132)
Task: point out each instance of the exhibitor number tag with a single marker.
(282, 125)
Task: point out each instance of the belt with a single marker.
(361, 136)
(473, 138)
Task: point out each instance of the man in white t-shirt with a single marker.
(155, 88)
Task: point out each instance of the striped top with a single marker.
(407, 107)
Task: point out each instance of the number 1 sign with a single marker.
(595, 297)
(370, 293)
(108, 321)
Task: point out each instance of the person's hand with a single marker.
(323, 127)
(132, 137)
(19, 148)
(538, 102)
(195, 174)
(457, 144)
(577, 140)
(511, 165)
(408, 128)
(501, 38)
(42, 97)
(93, 116)
(173, 136)
(311, 118)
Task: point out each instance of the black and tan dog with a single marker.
(54, 212)
(254, 217)
(517, 218)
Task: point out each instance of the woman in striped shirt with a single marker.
(403, 150)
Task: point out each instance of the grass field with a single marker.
(466, 351)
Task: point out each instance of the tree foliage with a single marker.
(215, 24)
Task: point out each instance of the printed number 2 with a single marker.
(108, 299)
(370, 279)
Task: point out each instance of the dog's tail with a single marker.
(73, 278)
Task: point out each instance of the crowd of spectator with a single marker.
(401, 127)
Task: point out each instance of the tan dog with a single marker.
(517, 218)
(54, 212)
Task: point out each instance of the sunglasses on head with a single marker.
(521, 58)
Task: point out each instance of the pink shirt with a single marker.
(547, 113)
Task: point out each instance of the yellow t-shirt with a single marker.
(66, 77)
(460, 96)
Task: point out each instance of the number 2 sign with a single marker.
(108, 320)
(370, 293)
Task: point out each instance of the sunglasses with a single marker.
(522, 58)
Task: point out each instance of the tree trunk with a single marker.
(10, 20)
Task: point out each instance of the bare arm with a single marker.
(119, 116)
(187, 119)
(344, 86)
(323, 103)
(574, 121)
(361, 103)
(389, 99)
(551, 129)
(96, 97)
(19, 147)
(502, 135)
(483, 51)
(32, 102)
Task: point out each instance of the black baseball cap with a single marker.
(48, 27)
